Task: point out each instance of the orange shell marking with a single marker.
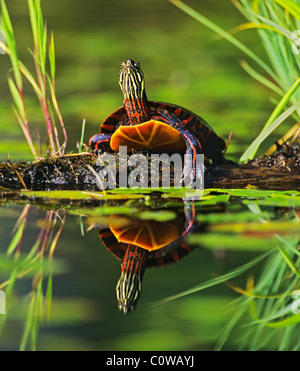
(154, 135)
(146, 234)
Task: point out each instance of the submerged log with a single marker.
(280, 171)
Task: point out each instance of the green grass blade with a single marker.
(29, 321)
(288, 260)
(277, 27)
(11, 43)
(6, 18)
(39, 33)
(16, 97)
(291, 6)
(32, 15)
(44, 50)
(49, 294)
(52, 56)
(283, 102)
(224, 34)
(16, 238)
(32, 81)
(42, 38)
(271, 126)
(82, 136)
(260, 78)
(215, 281)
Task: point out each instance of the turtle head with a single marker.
(129, 286)
(131, 80)
(128, 291)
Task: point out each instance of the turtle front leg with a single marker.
(191, 223)
(100, 143)
(192, 169)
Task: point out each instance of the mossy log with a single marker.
(280, 171)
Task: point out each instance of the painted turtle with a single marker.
(139, 244)
(160, 127)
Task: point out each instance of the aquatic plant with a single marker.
(38, 264)
(277, 24)
(265, 315)
(43, 82)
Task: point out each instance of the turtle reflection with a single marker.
(142, 244)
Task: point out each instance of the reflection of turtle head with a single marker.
(128, 292)
(141, 238)
(142, 244)
(129, 286)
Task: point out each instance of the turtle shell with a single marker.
(212, 145)
(154, 135)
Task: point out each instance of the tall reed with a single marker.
(42, 81)
(36, 263)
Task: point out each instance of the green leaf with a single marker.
(291, 6)
(52, 56)
(262, 79)
(31, 79)
(215, 199)
(215, 281)
(49, 294)
(10, 40)
(82, 136)
(288, 260)
(32, 15)
(77, 195)
(16, 97)
(269, 128)
(44, 50)
(16, 238)
(42, 35)
(292, 320)
(224, 34)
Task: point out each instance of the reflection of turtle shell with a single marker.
(157, 238)
(163, 256)
(146, 234)
(140, 245)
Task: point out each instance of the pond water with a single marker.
(232, 268)
(234, 261)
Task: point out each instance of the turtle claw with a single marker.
(188, 175)
(192, 171)
(100, 143)
(191, 175)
